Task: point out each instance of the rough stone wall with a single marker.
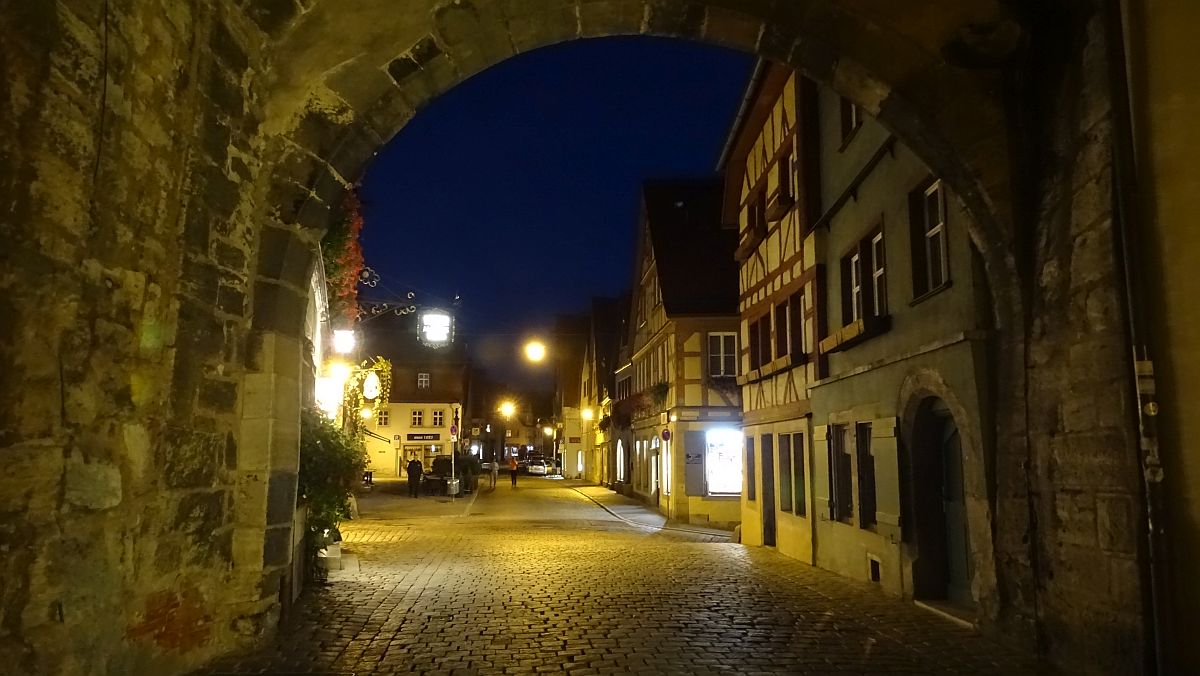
(124, 320)
(1084, 476)
(172, 163)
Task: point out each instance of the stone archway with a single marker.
(175, 163)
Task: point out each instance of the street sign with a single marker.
(454, 429)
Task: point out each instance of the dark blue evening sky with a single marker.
(518, 189)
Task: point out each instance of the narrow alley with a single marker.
(556, 576)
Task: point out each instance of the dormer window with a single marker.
(423, 381)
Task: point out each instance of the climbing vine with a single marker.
(343, 257)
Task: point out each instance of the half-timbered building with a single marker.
(771, 193)
(864, 321)
(678, 387)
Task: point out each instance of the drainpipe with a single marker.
(1126, 208)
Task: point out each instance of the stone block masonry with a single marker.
(168, 166)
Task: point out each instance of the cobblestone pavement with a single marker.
(541, 579)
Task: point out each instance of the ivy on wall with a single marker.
(343, 257)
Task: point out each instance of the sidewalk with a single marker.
(638, 513)
(388, 500)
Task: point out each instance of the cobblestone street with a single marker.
(543, 579)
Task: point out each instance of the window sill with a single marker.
(724, 496)
(788, 361)
(856, 332)
(750, 241)
(930, 293)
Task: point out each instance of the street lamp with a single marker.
(507, 409)
(587, 414)
(344, 341)
(535, 351)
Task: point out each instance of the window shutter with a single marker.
(916, 234)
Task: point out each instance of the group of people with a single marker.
(512, 471)
(416, 470)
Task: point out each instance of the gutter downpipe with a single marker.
(1127, 206)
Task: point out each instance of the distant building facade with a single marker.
(428, 392)
(678, 388)
(598, 388)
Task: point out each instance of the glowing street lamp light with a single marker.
(548, 431)
(344, 341)
(535, 351)
(587, 414)
(507, 409)
(435, 328)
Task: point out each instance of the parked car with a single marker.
(538, 467)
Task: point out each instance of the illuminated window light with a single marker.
(723, 461)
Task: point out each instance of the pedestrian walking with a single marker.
(512, 470)
(495, 470)
(415, 470)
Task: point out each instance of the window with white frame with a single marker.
(439, 418)
(418, 417)
(935, 235)
(927, 218)
(852, 289)
(666, 468)
(620, 461)
(851, 118)
(423, 381)
(383, 417)
(878, 276)
(722, 354)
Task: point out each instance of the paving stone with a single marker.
(541, 580)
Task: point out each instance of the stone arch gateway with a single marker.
(168, 167)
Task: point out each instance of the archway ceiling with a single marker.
(361, 49)
(341, 77)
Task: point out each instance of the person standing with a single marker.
(495, 471)
(415, 470)
(512, 470)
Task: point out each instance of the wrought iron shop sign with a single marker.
(424, 437)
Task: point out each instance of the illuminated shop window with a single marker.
(723, 461)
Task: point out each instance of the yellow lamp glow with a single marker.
(507, 409)
(344, 341)
(548, 431)
(366, 413)
(340, 371)
(587, 414)
(535, 351)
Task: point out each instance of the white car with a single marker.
(538, 467)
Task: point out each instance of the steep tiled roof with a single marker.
(696, 269)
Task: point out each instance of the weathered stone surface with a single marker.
(281, 497)
(92, 485)
(189, 458)
(277, 547)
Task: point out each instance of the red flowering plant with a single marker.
(343, 257)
